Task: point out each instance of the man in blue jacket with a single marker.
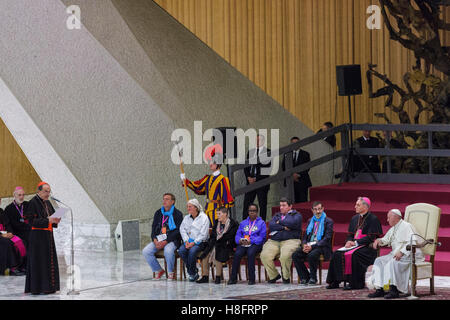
(165, 236)
(250, 238)
(316, 241)
(285, 230)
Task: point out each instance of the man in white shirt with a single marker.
(194, 231)
(393, 269)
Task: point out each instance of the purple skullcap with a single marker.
(366, 200)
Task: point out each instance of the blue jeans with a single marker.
(169, 253)
(189, 257)
(251, 254)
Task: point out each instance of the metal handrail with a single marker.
(343, 152)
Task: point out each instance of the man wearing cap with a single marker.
(42, 264)
(393, 270)
(15, 212)
(194, 231)
(350, 263)
(215, 186)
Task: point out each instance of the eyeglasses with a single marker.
(252, 210)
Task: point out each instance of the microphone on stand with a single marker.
(409, 247)
(72, 251)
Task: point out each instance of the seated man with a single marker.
(350, 263)
(165, 236)
(393, 269)
(316, 241)
(194, 231)
(286, 228)
(250, 238)
(220, 245)
(15, 212)
(12, 249)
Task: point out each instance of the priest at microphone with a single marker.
(42, 267)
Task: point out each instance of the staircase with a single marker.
(339, 203)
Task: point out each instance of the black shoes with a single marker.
(286, 281)
(348, 287)
(218, 280)
(278, 277)
(204, 279)
(304, 282)
(377, 294)
(16, 272)
(251, 282)
(333, 285)
(312, 282)
(393, 293)
(232, 281)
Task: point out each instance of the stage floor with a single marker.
(116, 276)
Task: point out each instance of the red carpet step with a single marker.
(339, 203)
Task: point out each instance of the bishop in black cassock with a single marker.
(351, 265)
(10, 258)
(42, 267)
(15, 212)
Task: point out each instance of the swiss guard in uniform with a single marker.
(215, 186)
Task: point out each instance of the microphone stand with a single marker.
(412, 248)
(72, 252)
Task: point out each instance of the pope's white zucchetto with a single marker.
(397, 212)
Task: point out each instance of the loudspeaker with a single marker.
(228, 133)
(349, 80)
(127, 235)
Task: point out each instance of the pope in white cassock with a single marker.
(393, 269)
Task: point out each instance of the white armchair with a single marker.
(425, 218)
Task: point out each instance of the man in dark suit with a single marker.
(260, 170)
(393, 144)
(316, 241)
(302, 181)
(372, 162)
(331, 140)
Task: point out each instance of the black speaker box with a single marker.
(228, 135)
(349, 80)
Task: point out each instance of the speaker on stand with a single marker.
(348, 79)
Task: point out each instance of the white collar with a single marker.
(216, 173)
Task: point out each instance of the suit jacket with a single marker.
(371, 161)
(331, 139)
(325, 242)
(303, 157)
(254, 171)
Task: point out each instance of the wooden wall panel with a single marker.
(15, 169)
(290, 49)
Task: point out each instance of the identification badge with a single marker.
(161, 237)
(247, 237)
(21, 220)
(163, 230)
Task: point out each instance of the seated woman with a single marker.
(250, 239)
(12, 249)
(194, 231)
(220, 245)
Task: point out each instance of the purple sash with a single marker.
(18, 243)
(348, 254)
